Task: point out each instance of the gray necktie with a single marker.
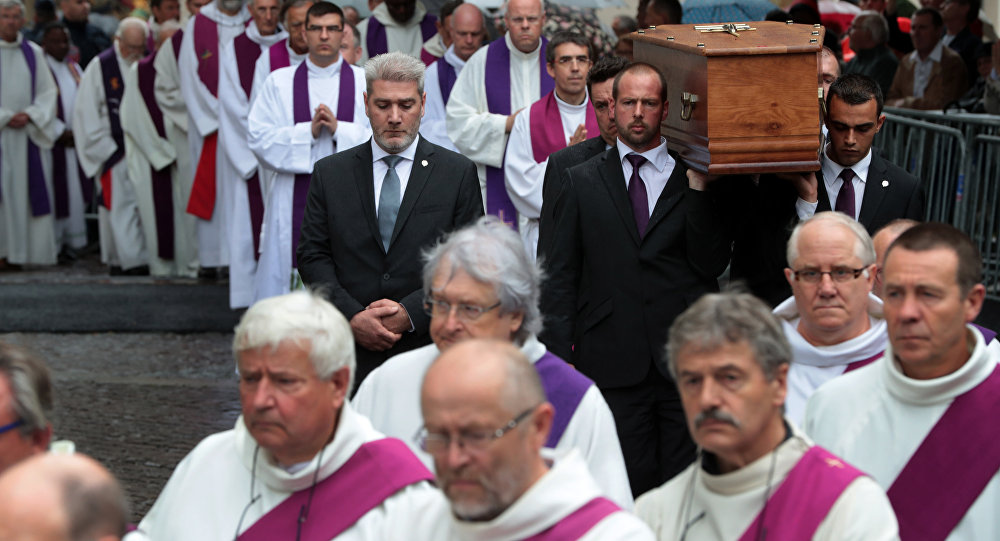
(388, 201)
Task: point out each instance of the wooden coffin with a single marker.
(746, 103)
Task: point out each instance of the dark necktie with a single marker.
(845, 199)
(637, 194)
(388, 200)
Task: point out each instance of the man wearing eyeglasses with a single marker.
(25, 403)
(300, 115)
(486, 420)
(833, 322)
(563, 117)
(480, 283)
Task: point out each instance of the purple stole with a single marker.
(114, 89)
(944, 478)
(577, 523)
(988, 334)
(38, 192)
(163, 202)
(60, 180)
(446, 79)
(302, 112)
(278, 55)
(564, 388)
(547, 128)
(426, 57)
(376, 41)
(247, 53)
(805, 497)
(206, 50)
(376, 471)
(863, 362)
(175, 41)
(497, 84)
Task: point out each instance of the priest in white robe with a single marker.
(919, 420)
(28, 97)
(199, 65)
(499, 485)
(467, 28)
(463, 267)
(401, 26)
(237, 165)
(100, 147)
(288, 136)
(290, 51)
(756, 475)
(309, 466)
(834, 324)
(561, 118)
(496, 83)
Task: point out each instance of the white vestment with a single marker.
(813, 366)
(523, 175)
(175, 121)
(407, 37)
(723, 506)
(432, 126)
(876, 418)
(203, 120)
(263, 67)
(71, 230)
(144, 148)
(563, 489)
(390, 397)
(25, 238)
(479, 134)
(289, 149)
(209, 490)
(122, 240)
(237, 165)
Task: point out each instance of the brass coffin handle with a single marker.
(687, 105)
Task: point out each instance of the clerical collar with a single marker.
(329, 71)
(563, 103)
(710, 462)
(453, 59)
(514, 51)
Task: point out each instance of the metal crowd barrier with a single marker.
(983, 209)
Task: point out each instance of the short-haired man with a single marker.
(435, 47)
(928, 397)
(398, 25)
(829, 70)
(869, 36)
(957, 16)
(467, 27)
(485, 421)
(301, 115)
(561, 118)
(350, 45)
(365, 249)
(88, 39)
(832, 322)
(290, 51)
(757, 475)
(881, 241)
(933, 75)
(25, 404)
(161, 12)
(663, 12)
(479, 283)
(61, 498)
(298, 451)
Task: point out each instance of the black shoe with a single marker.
(115, 270)
(208, 274)
(141, 270)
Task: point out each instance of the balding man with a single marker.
(61, 498)
(486, 419)
(881, 241)
(25, 403)
(869, 36)
(350, 46)
(832, 321)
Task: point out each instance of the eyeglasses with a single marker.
(471, 441)
(837, 274)
(11, 426)
(332, 29)
(583, 60)
(464, 312)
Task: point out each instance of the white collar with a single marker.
(408, 153)
(864, 346)
(935, 55)
(324, 73)
(935, 391)
(255, 36)
(451, 58)
(569, 106)
(381, 12)
(832, 169)
(211, 11)
(657, 156)
(515, 52)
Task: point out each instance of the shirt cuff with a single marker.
(805, 209)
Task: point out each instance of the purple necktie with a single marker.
(637, 194)
(845, 199)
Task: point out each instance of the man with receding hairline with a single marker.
(881, 241)
(287, 52)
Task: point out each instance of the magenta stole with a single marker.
(952, 466)
(547, 135)
(247, 53)
(376, 471)
(38, 192)
(577, 523)
(278, 55)
(302, 112)
(163, 202)
(497, 82)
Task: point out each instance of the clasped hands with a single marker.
(380, 325)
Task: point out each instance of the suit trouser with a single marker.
(652, 430)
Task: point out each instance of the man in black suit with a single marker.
(879, 191)
(638, 237)
(600, 79)
(373, 208)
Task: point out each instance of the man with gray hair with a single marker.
(869, 37)
(833, 322)
(373, 208)
(350, 46)
(757, 475)
(480, 283)
(300, 463)
(25, 403)
(300, 115)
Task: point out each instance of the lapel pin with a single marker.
(423, 163)
(885, 183)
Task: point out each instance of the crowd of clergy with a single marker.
(483, 296)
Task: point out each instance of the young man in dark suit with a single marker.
(373, 208)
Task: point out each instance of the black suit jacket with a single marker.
(610, 296)
(552, 184)
(768, 217)
(340, 247)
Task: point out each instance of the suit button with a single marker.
(385, 276)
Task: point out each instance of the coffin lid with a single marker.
(770, 37)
